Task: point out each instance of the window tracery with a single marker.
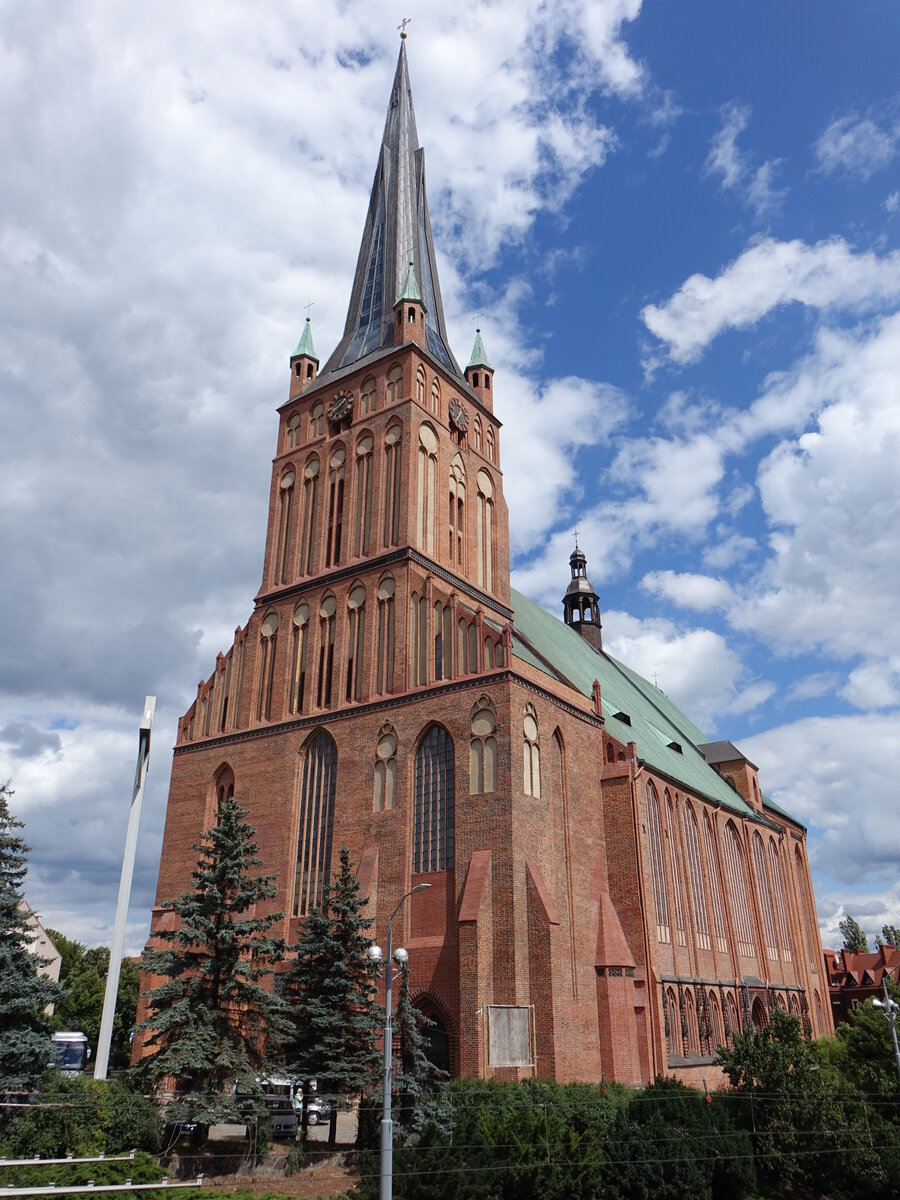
(336, 474)
(433, 817)
(385, 796)
(384, 650)
(317, 789)
(427, 470)
(327, 610)
(268, 631)
(483, 749)
(457, 522)
(531, 753)
(356, 633)
(363, 523)
(299, 648)
(391, 530)
(660, 895)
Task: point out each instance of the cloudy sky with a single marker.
(679, 223)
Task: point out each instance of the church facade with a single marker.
(611, 895)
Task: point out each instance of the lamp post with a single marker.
(890, 1007)
(387, 1125)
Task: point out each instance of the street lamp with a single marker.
(400, 956)
(890, 1007)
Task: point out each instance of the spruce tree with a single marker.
(419, 1097)
(25, 1050)
(213, 1025)
(332, 993)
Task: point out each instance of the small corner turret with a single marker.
(581, 604)
(304, 362)
(480, 373)
(409, 312)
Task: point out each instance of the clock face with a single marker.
(459, 418)
(340, 406)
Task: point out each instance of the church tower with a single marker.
(588, 866)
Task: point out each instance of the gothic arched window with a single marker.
(223, 785)
(427, 469)
(716, 889)
(690, 1020)
(433, 806)
(394, 390)
(780, 906)
(356, 634)
(336, 473)
(310, 506)
(476, 433)
(466, 647)
(317, 787)
(363, 522)
(367, 396)
(675, 865)
(385, 796)
(716, 1032)
(392, 485)
(418, 640)
(420, 385)
(299, 651)
(695, 870)
(806, 906)
(384, 648)
(285, 525)
(490, 443)
(673, 1025)
(457, 523)
(436, 397)
(484, 540)
(765, 898)
(293, 431)
(268, 633)
(737, 888)
(531, 753)
(660, 895)
(482, 750)
(443, 640)
(317, 420)
(326, 651)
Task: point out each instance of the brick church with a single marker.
(611, 895)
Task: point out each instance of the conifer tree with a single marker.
(855, 940)
(25, 1050)
(332, 993)
(212, 1024)
(420, 1095)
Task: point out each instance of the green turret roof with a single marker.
(305, 345)
(479, 354)
(410, 289)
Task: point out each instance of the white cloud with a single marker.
(829, 275)
(874, 685)
(699, 592)
(856, 146)
(892, 203)
(838, 773)
(735, 168)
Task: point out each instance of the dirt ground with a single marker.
(324, 1180)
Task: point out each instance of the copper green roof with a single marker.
(479, 354)
(410, 289)
(634, 710)
(305, 345)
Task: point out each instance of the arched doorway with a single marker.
(436, 1044)
(758, 1013)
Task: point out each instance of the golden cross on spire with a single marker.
(402, 26)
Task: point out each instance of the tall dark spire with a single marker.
(397, 231)
(581, 605)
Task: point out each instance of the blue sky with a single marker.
(679, 224)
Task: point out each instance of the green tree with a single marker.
(212, 1024)
(24, 1036)
(854, 939)
(889, 936)
(332, 994)
(808, 1126)
(419, 1093)
(83, 977)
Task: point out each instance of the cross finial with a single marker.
(576, 538)
(655, 679)
(308, 306)
(402, 26)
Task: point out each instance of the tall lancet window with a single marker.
(695, 870)
(367, 396)
(737, 887)
(385, 782)
(384, 650)
(483, 749)
(335, 506)
(356, 640)
(394, 389)
(490, 444)
(299, 652)
(715, 878)
(420, 385)
(457, 516)
(433, 802)
(418, 640)
(484, 540)
(531, 753)
(476, 434)
(675, 864)
(660, 896)
(285, 525)
(426, 472)
(318, 775)
(268, 633)
(391, 528)
(765, 898)
(780, 908)
(326, 651)
(363, 524)
(310, 506)
(436, 397)
(442, 632)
